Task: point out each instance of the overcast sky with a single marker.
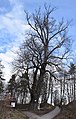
(13, 25)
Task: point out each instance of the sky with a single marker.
(13, 25)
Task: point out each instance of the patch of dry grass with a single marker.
(9, 113)
(68, 111)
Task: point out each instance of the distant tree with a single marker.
(47, 45)
(72, 72)
(12, 86)
(62, 85)
(1, 71)
(56, 97)
(1, 87)
(22, 88)
(1, 79)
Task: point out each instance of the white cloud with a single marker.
(14, 24)
(7, 59)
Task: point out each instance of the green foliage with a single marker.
(1, 87)
(1, 79)
(12, 85)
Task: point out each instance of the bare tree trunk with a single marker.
(68, 93)
(61, 91)
(74, 86)
(51, 92)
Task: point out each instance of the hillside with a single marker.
(68, 111)
(8, 113)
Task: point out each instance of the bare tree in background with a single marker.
(72, 72)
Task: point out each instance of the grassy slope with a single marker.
(68, 112)
(6, 113)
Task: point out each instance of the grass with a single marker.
(8, 113)
(68, 111)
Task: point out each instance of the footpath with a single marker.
(49, 115)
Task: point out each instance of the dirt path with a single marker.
(49, 115)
